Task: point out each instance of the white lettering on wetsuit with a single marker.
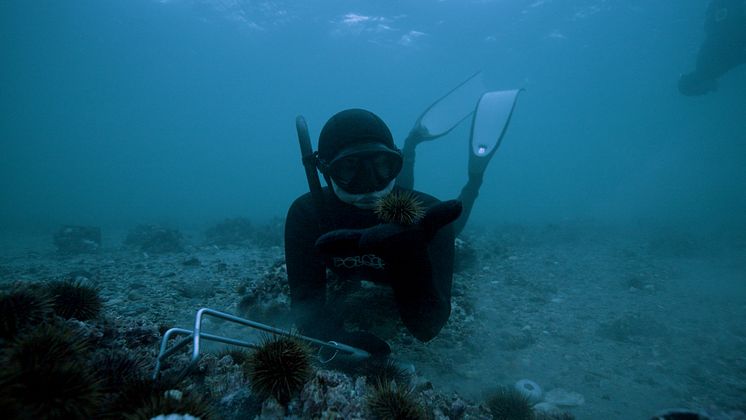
(367, 260)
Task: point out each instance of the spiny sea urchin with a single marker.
(64, 391)
(131, 396)
(239, 356)
(507, 403)
(44, 375)
(386, 371)
(402, 207)
(117, 369)
(47, 345)
(390, 401)
(279, 367)
(171, 402)
(22, 307)
(75, 299)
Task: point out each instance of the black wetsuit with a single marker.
(421, 283)
(723, 49)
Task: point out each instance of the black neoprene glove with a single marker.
(421, 297)
(391, 241)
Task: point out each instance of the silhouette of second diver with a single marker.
(723, 48)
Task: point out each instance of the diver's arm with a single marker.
(419, 263)
(306, 271)
(406, 175)
(423, 290)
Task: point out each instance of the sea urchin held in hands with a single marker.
(279, 367)
(402, 207)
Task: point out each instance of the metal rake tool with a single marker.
(197, 335)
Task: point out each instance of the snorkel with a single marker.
(309, 159)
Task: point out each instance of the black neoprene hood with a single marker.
(356, 128)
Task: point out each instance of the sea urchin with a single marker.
(22, 307)
(75, 299)
(402, 207)
(170, 404)
(44, 376)
(386, 371)
(279, 368)
(508, 403)
(388, 400)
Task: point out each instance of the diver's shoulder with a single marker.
(302, 201)
(305, 203)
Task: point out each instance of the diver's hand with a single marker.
(422, 232)
(440, 215)
(390, 240)
(340, 241)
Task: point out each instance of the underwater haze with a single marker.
(605, 258)
(182, 111)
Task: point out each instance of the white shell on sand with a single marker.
(530, 389)
(545, 407)
(564, 398)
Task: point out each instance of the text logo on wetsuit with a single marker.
(367, 260)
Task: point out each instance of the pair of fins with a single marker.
(489, 119)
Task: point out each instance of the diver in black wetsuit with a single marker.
(360, 162)
(340, 229)
(723, 49)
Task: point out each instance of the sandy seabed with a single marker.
(626, 323)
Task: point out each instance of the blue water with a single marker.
(115, 113)
(182, 111)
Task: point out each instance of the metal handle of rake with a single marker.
(195, 336)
